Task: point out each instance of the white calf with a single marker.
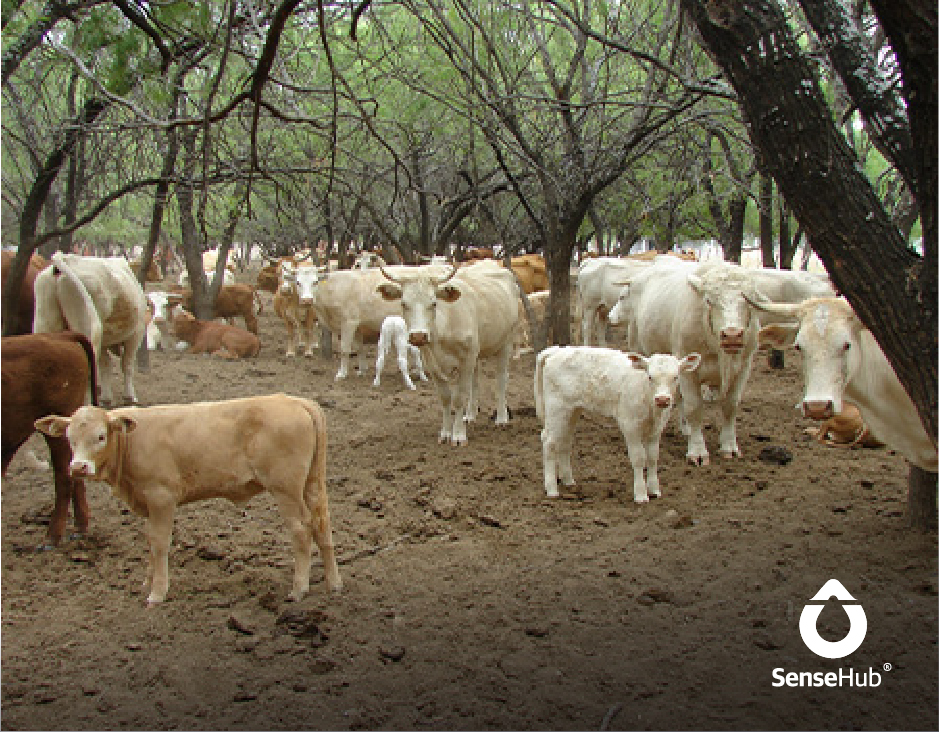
(394, 335)
(636, 391)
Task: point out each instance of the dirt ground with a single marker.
(471, 601)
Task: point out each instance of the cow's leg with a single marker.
(565, 472)
(159, 534)
(310, 323)
(444, 392)
(502, 380)
(554, 438)
(379, 362)
(104, 376)
(129, 366)
(585, 322)
(346, 338)
(637, 456)
(61, 456)
(472, 400)
(403, 367)
(729, 403)
(462, 392)
(415, 354)
(694, 417)
(321, 530)
(297, 517)
(359, 346)
(291, 326)
(652, 466)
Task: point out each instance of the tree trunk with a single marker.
(787, 247)
(921, 510)
(766, 221)
(558, 317)
(189, 233)
(892, 290)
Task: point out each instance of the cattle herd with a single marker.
(693, 330)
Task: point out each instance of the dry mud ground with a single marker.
(471, 601)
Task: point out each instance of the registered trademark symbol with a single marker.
(888, 667)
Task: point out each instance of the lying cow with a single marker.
(42, 375)
(101, 298)
(845, 430)
(236, 300)
(210, 336)
(841, 361)
(155, 459)
(636, 391)
(394, 336)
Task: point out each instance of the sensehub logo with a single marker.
(808, 628)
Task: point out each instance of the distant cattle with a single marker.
(209, 262)
(26, 302)
(471, 254)
(636, 391)
(456, 319)
(101, 298)
(233, 301)
(532, 272)
(524, 340)
(841, 361)
(218, 339)
(43, 375)
(845, 430)
(394, 337)
(158, 458)
(269, 277)
(160, 305)
(599, 283)
(153, 271)
(295, 302)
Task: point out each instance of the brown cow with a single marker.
(532, 272)
(27, 299)
(233, 301)
(155, 459)
(846, 429)
(153, 272)
(269, 277)
(42, 375)
(209, 336)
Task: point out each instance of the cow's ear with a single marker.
(638, 360)
(53, 425)
(449, 293)
(389, 291)
(690, 362)
(779, 335)
(123, 423)
(174, 298)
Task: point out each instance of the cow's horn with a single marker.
(381, 266)
(777, 308)
(449, 277)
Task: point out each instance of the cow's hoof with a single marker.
(642, 499)
(699, 460)
(552, 493)
(730, 454)
(154, 601)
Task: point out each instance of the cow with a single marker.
(599, 283)
(295, 301)
(26, 302)
(636, 391)
(845, 430)
(532, 272)
(160, 305)
(238, 300)
(100, 298)
(684, 308)
(210, 336)
(538, 302)
(155, 459)
(269, 278)
(209, 262)
(394, 337)
(153, 272)
(841, 361)
(43, 375)
(456, 319)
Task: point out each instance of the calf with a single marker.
(155, 459)
(160, 307)
(219, 339)
(636, 391)
(394, 335)
(236, 300)
(42, 375)
(845, 430)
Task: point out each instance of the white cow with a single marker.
(456, 319)
(159, 328)
(294, 302)
(698, 308)
(209, 262)
(101, 298)
(636, 391)
(841, 361)
(394, 337)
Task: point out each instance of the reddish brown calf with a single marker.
(42, 375)
(219, 339)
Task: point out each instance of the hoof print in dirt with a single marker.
(767, 642)
(303, 624)
(210, 553)
(391, 653)
(239, 625)
(775, 454)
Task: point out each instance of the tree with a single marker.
(892, 289)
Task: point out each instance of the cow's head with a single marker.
(727, 314)
(93, 434)
(828, 334)
(419, 295)
(663, 371)
(307, 278)
(184, 324)
(161, 305)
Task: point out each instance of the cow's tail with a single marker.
(90, 326)
(539, 379)
(90, 355)
(314, 493)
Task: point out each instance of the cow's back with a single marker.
(490, 308)
(26, 304)
(667, 312)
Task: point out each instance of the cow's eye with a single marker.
(847, 346)
(101, 438)
(797, 347)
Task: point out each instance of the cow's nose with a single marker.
(80, 469)
(663, 401)
(817, 409)
(417, 338)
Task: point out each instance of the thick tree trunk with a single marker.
(922, 512)
(558, 318)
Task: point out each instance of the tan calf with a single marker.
(845, 430)
(233, 301)
(219, 339)
(157, 458)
